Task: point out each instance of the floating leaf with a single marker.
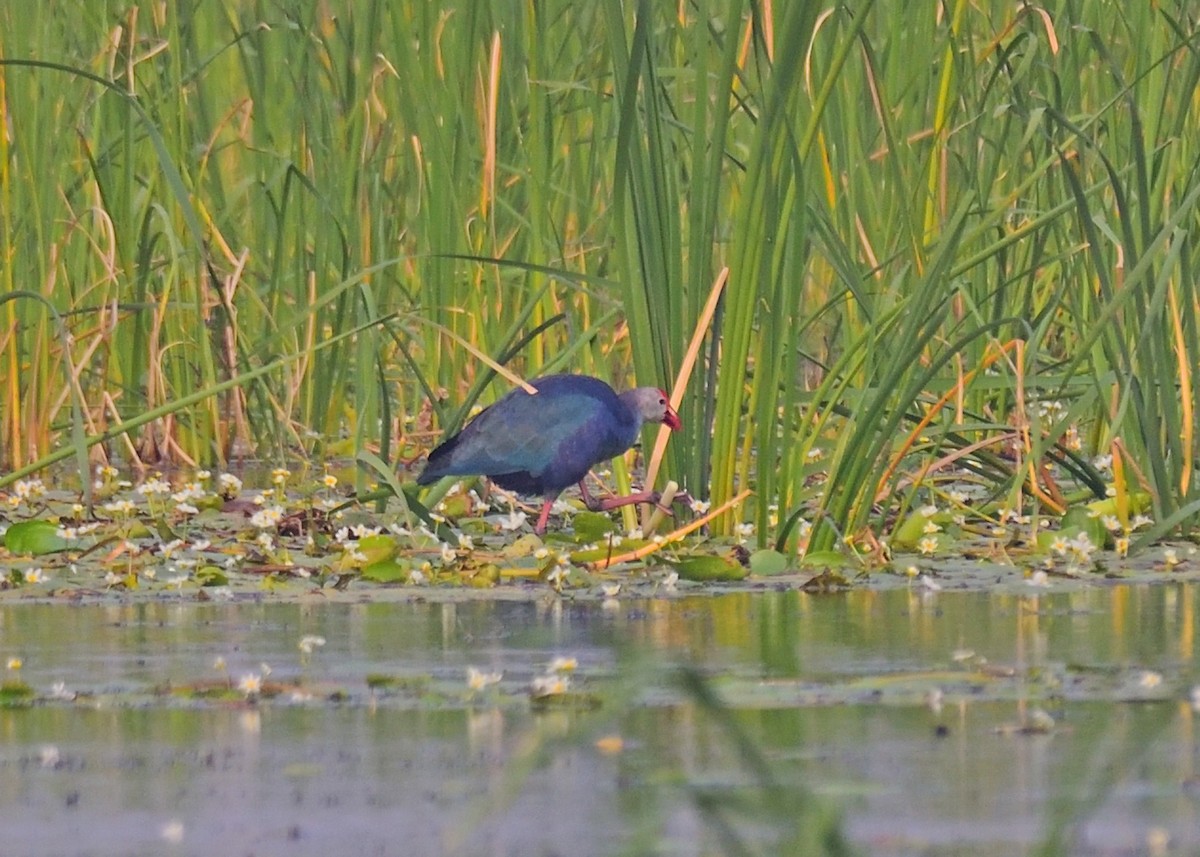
(524, 545)
(768, 562)
(591, 526)
(388, 571)
(34, 538)
(210, 575)
(1081, 519)
(710, 568)
(377, 548)
(911, 531)
(824, 559)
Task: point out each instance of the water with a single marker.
(892, 715)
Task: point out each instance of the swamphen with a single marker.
(540, 444)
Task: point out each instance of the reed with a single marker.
(938, 224)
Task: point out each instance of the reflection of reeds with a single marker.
(272, 235)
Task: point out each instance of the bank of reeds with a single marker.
(958, 236)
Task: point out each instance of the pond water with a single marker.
(896, 722)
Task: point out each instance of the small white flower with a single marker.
(562, 665)
(448, 554)
(558, 576)
(250, 684)
(610, 590)
(478, 680)
(514, 520)
(1148, 680)
(309, 642)
(1038, 578)
(172, 832)
(266, 517)
(701, 507)
(154, 487)
(554, 684)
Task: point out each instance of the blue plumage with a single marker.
(540, 444)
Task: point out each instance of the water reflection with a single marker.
(833, 690)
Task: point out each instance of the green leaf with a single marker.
(710, 568)
(377, 548)
(388, 571)
(591, 526)
(768, 562)
(210, 575)
(34, 538)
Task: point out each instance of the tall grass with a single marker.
(936, 223)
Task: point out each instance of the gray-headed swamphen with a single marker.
(539, 444)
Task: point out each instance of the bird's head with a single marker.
(654, 405)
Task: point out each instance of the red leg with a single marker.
(597, 504)
(540, 527)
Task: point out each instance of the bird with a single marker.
(538, 444)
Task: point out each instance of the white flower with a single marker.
(266, 517)
(514, 520)
(154, 487)
(330, 480)
(1148, 680)
(562, 665)
(309, 642)
(558, 576)
(448, 554)
(553, 684)
(465, 542)
(928, 545)
(670, 580)
(701, 507)
(250, 684)
(1038, 578)
(478, 680)
(229, 484)
(610, 590)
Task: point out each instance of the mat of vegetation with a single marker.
(916, 281)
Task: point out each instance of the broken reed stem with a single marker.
(675, 536)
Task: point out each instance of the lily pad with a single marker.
(34, 538)
(710, 568)
(766, 563)
(388, 571)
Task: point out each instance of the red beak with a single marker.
(671, 419)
